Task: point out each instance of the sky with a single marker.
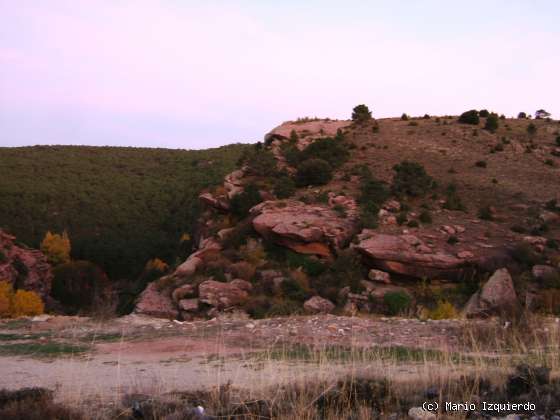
(198, 74)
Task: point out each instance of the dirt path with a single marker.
(135, 354)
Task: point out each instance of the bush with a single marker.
(27, 304)
(531, 129)
(483, 113)
(6, 296)
(522, 115)
(425, 217)
(469, 117)
(443, 310)
(284, 187)
(361, 113)
(396, 302)
(485, 213)
(452, 199)
(20, 303)
(260, 162)
(411, 179)
(481, 164)
(557, 140)
(78, 285)
(56, 247)
(332, 150)
(313, 172)
(404, 117)
(525, 255)
(241, 203)
(292, 290)
(372, 195)
(491, 123)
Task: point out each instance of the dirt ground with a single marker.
(138, 354)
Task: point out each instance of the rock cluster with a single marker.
(24, 268)
(497, 295)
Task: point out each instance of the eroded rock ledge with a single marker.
(306, 229)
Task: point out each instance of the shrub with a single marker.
(452, 199)
(404, 117)
(78, 285)
(3, 257)
(241, 203)
(396, 302)
(56, 247)
(469, 117)
(411, 179)
(425, 216)
(522, 115)
(372, 194)
(328, 149)
(313, 172)
(346, 270)
(525, 255)
(293, 137)
(491, 123)
(531, 129)
(402, 217)
(6, 297)
(20, 303)
(485, 213)
(557, 140)
(483, 113)
(292, 290)
(443, 310)
(27, 303)
(361, 113)
(426, 116)
(284, 187)
(452, 240)
(260, 162)
(412, 224)
(481, 164)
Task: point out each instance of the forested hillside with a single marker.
(120, 206)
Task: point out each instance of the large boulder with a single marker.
(154, 303)
(317, 305)
(497, 295)
(24, 268)
(221, 295)
(408, 255)
(304, 228)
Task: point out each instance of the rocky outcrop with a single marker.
(233, 182)
(407, 255)
(221, 295)
(153, 302)
(24, 268)
(218, 203)
(497, 295)
(304, 228)
(318, 305)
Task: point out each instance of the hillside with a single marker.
(120, 206)
(408, 215)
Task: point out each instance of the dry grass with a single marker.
(295, 381)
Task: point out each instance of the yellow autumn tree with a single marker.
(56, 247)
(20, 303)
(6, 297)
(27, 304)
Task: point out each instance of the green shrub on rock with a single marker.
(313, 172)
(397, 302)
(411, 179)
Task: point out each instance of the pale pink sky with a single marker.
(191, 74)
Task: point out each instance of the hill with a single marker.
(120, 206)
(378, 216)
